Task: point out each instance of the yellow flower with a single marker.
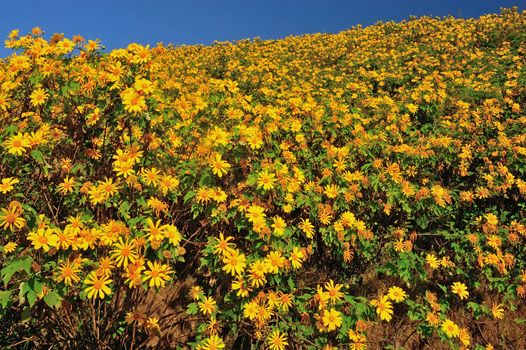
(39, 97)
(432, 261)
(157, 273)
(11, 217)
(258, 270)
(239, 286)
(218, 195)
(218, 165)
(68, 272)
(307, 227)
(266, 180)
(65, 46)
(212, 343)
(396, 294)
(497, 310)
(384, 308)
(123, 253)
(43, 239)
(255, 213)
(135, 316)
(432, 318)
(207, 305)
(333, 290)
(172, 233)
(105, 266)
(460, 289)
(358, 340)
(331, 319)
(150, 176)
(464, 337)
(96, 196)
(154, 231)
(67, 185)
(222, 245)
(157, 205)
(274, 262)
(331, 191)
(123, 169)
(250, 310)
(97, 286)
(264, 313)
(133, 274)
(411, 107)
(133, 102)
(450, 328)
(277, 341)
(196, 292)
(8, 184)
(491, 219)
(296, 257)
(143, 86)
(278, 225)
(285, 301)
(167, 183)
(152, 324)
(235, 263)
(17, 144)
(108, 187)
(10, 247)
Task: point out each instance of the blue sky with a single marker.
(118, 23)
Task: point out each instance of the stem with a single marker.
(133, 336)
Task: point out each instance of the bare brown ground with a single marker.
(502, 334)
(177, 327)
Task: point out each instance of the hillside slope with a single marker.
(356, 189)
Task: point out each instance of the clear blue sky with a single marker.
(118, 23)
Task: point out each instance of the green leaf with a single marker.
(192, 309)
(35, 79)
(189, 195)
(37, 155)
(134, 221)
(5, 298)
(290, 282)
(52, 299)
(35, 285)
(25, 263)
(206, 179)
(26, 314)
(124, 209)
(361, 309)
(252, 179)
(31, 297)
(14, 266)
(23, 289)
(473, 306)
(11, 129)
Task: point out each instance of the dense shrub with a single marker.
(299, 193)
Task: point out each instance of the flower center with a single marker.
(11, 218)
(125, 252)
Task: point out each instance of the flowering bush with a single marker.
(308, 192)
